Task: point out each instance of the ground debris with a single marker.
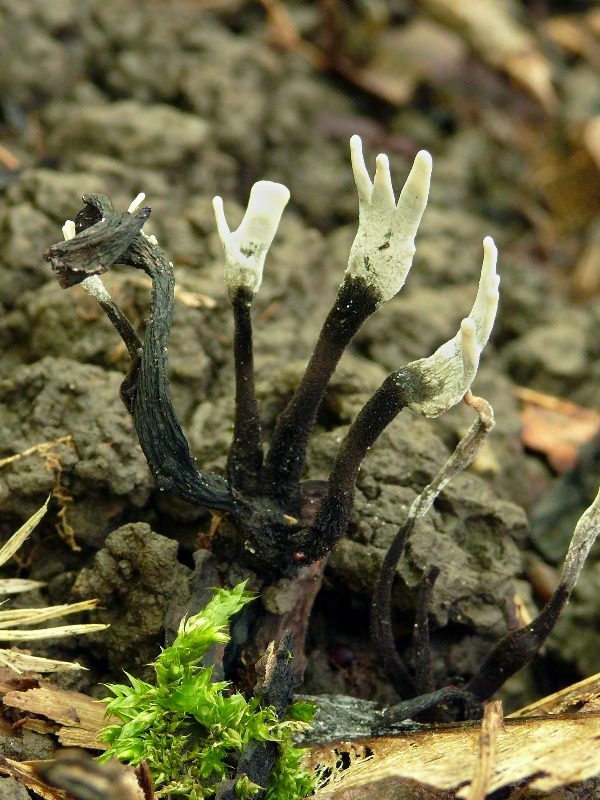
(74, 774)
(540, 753)
(73, 716)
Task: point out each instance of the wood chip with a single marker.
(78, 716)
(541, 753)
(574, 697)
(490, 726)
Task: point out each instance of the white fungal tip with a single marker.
(135, 204)
(222, 226)
(383, 191)
(68, 230)
(490, 245)
(359, 170)
(420, 174)
(453, 366)
(384, 246)
(424, 160)
(265, 207)
(246, 248)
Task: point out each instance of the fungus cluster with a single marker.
(282, 524)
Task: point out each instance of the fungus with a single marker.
(245, 252)
(281, 524)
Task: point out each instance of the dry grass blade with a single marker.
(31, 616)
(23, 662)
(42, 447)
(18, 585)
(17, 539)
(50, 633)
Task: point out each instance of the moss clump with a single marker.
(190, 730)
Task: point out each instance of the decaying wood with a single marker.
(542, 753)
(576, 697)
(83, 778)
(77, 716)
(490, 726)
(436, 761)
(25, 775)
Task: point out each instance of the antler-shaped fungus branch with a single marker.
(516, 649)
(102, 238)
(381, 606)
(379, 261)
(450, 371)
(245, 252)
(429, 386)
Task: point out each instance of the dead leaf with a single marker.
(566, 174)
(283, 33)
(501, 41)
(9, 160)
(405, 56)
(555, 427)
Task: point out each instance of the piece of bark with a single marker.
(541, 753)
(79, 718)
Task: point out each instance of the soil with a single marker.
(183, 104)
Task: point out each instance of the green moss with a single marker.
(190, 730)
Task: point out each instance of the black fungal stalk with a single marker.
(381, 605)
(146, 389)
(355, 302)
(271, 521)
(245, 458)
(396, 393)
(517, 648)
